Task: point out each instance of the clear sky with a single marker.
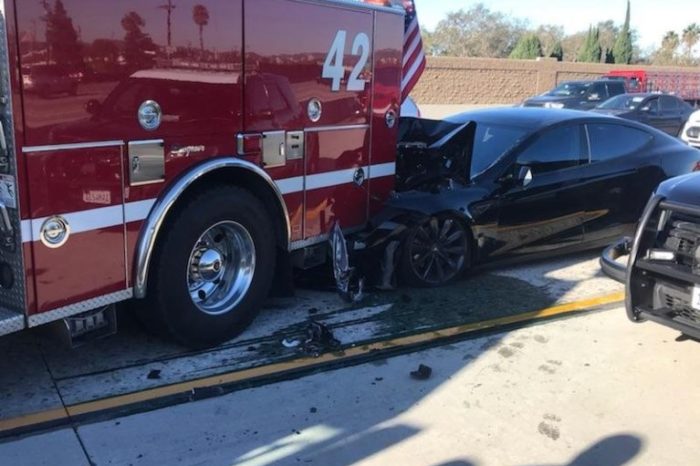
(651, 18)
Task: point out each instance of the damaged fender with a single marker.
(433, 167)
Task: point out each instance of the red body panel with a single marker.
(386, 98)
(88, 89)
(343, 152)
(684, 84)
(91, 263)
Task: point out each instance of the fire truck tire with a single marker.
(435, 253)
(212, 269)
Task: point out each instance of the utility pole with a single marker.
(169, 7)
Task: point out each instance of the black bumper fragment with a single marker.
(608, 261)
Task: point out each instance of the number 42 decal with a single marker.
(334, 69)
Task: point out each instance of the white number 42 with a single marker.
(334, 69)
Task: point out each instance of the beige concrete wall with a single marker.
(476, 81)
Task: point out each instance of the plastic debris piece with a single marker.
(422, 373)
(319, 339)
(287, 343)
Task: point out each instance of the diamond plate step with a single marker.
(10, 322)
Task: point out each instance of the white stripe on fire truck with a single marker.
(105, 217)
(93, 219)
(335, 178)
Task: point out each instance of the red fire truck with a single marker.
(186, 154)
(684, 84)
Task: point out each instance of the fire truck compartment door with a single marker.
(312, 77)
(78, 193)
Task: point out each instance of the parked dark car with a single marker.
(662, 275)
(665, 112)
(580, 95)
(48, 80)
(519, 182)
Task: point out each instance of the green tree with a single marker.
(549, 36)
(139, 49)
(609, 56)
(64, 47)
(690, 38)
(591, 51)
(667, 53)
(528, 47)
(623, 49)
(477, 32)
(557, 51)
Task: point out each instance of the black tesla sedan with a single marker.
(506, 183)
(664, 112)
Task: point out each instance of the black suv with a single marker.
(662, 275)
(581, 95)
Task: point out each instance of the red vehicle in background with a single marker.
(683, 84)
(199, 154)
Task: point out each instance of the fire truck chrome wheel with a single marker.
(435, 252)
(221, 268)
(212, 268)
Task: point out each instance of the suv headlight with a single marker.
(553, 105)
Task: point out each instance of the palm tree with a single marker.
(691, 37)
(200, 16)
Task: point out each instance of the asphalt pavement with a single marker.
(588, 390)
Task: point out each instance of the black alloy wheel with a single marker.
(435, 253)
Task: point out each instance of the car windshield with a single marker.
(491, 142)
(568, 90)
(622, 102)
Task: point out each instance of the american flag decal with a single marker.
(413, 54)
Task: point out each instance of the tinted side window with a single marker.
(555, 149)
(611, 141)
(668, 103)
(653, 106)
(615, 88)
(597, 89)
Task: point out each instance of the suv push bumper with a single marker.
(608, 261)
(663, 270)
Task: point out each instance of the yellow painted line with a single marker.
(301, 363)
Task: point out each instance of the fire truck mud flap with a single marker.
(610, 263)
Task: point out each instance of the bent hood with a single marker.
(429, 151)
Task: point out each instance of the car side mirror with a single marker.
(525, 175)
(594, 97)
(93, 106)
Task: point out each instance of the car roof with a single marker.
(590, 81)
(649, 94)
(527, 117)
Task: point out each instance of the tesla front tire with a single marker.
(435, 253)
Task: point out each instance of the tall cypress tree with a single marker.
(591, 50)
(622, 51)
(557, 51)
(529, 47)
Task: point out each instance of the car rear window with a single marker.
(609, 141)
